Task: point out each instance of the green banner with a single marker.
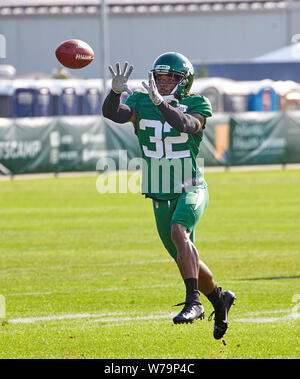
(257, 138)
(81, 143)
(121, 137)
(60, 144)
(292, 125)
(215, 144)
(24, 145)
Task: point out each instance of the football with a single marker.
(74, 53)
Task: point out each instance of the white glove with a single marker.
(119, 80)
(152, 90)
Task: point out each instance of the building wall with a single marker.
(210, 36)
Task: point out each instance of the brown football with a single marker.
(74, 53)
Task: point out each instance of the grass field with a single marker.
(85, 275)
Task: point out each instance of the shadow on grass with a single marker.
(271, 278)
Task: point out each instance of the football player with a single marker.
(169, 124)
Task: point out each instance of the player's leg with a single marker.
(205, 277)
(188, 261)
(163, 212)
(189, 210)
(163, 215)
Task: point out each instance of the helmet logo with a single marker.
(162, 67)
(189, 67)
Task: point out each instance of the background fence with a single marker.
(58, 144)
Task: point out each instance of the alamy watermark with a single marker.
(2, 46)
(119, 174)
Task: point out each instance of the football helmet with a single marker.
(182, 70)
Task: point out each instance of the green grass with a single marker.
(67, 250)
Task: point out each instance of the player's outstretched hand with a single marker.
(119, 79)
(152, 90)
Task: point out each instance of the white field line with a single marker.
(31, 320)
(263, 320)
(137, 318)
(268, 312)
(119, 317)
(63, 267)
(257, 320)
(22, 270)
(110, 289)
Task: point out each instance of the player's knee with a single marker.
(179, 234)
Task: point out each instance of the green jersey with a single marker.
(169, 156)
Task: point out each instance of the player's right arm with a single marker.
(112, 108)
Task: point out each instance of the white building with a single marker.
(140, 30)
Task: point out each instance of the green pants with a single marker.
(186, 210)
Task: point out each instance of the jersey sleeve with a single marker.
(132, 100)
(200, 104)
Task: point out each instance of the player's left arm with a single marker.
(183, 122)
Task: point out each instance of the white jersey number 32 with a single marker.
(163, 147)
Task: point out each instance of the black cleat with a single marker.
(221, 314)
(190, 312)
